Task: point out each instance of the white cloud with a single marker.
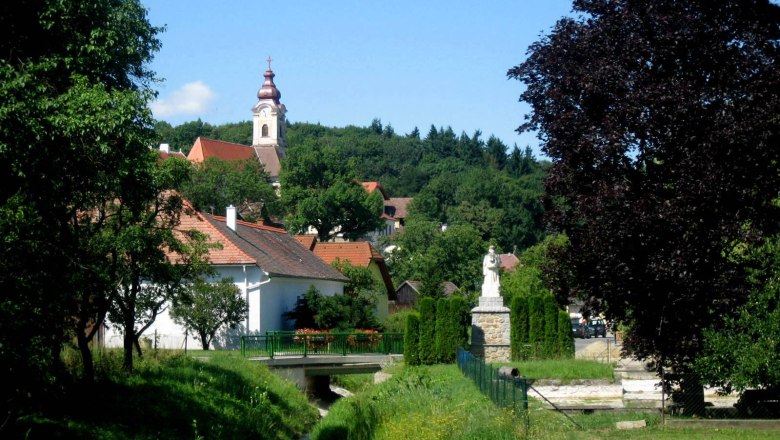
(191, 98)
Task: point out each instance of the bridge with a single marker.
(310, 357)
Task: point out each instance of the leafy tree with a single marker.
(207, 307)
(336, 312)
(745, 351)
(412, 340)
(361, 279)
(217, 183)
(661, 121)
(518, 331)
(74, 133)
(320, 190)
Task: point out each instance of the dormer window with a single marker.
(264, 131)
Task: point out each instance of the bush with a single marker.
(443, 326)
(412, 340)
(396, 322)
(428, 355)
(518, 336)
(550, 327)
(536, 324)
(461, 320)
(565, 346)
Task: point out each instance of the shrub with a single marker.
(396, 322)
(565, 346)
(412, 340)
(536, 324)
(550, 326)
(519, 328)
(427, 331)
(461, 320)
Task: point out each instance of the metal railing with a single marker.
(280, 343)
(503, 390)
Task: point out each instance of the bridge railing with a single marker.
(281, 343)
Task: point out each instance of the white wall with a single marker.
(268, 300)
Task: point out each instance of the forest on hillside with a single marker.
(454, 179)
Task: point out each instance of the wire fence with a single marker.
(305, 344)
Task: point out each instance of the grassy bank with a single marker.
(438, 402)
(173, 396)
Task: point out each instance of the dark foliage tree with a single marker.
(206, 307)
(412, 340)
(461, 322)
(536, 325)
(337, 312)
(74, 133)
(661, 120)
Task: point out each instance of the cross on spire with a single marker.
(269, 59)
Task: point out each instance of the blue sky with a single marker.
(344, 63)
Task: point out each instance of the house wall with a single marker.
(380, 310)
(268, 299)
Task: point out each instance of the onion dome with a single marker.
(269, 90)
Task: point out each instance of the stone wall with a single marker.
(490, 330)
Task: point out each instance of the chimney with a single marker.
(165, 148)
(230, 217)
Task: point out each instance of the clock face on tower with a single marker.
(264, 113)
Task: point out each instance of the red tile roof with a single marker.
(508, 261)
(360, 254)
(373, 186)
(395, 207)
(270, 158)
(229, 253)
(448, 287)
(308, 241)
(163, 155)
(204, 148)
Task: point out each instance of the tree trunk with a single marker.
(88, 375)
(128, 343)
(205, 341)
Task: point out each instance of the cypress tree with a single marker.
(536, 324)
(427, 331)
(461, 321)
(550, 326)
(412, 340)
(443, 326)
(565, 346)
(518, 328)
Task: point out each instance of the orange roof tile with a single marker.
(203, 148)
(308, 241)
(395, 207)
(508, 261)
(229, 253)
(357, 253)
(373, 186)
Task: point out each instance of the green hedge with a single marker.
(518, 334)
(412, 340)
(428, 354)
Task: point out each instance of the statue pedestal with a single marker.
(490, 330)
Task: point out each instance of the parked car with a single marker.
(597, 327)
(579, 330)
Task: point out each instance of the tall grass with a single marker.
(173, 396)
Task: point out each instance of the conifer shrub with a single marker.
(462, 320)
(536, 325)
(443, 330)
(518, 333)
(428, 355)
(550, 348)
(565, 346)
(412, 340)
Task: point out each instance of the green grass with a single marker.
(353, 382)
(565, 370)
(174, 396)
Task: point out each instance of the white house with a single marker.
(270, 267)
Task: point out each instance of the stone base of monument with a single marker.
(490, 330)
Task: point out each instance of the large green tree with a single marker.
(74, 133)
(320, 190)
(661, 121)
(217, 183)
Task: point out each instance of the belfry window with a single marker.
(265, 130)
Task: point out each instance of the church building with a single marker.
(269, 138)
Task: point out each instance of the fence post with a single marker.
(243, 350)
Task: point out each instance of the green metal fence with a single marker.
(278, 343)
(503, 390)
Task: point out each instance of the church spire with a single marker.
(269, 90)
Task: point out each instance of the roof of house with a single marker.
(163, 155)
(395, 207)
(373, 186)
(448, 288)
(358, 253)
(203, 148)
(271, 159)
(508, 261)
(275, 251)
(309, 241)
(271, 249)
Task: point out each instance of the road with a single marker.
(581, 344)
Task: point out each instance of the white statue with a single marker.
(490, 265)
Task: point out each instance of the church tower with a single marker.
(268, 116)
